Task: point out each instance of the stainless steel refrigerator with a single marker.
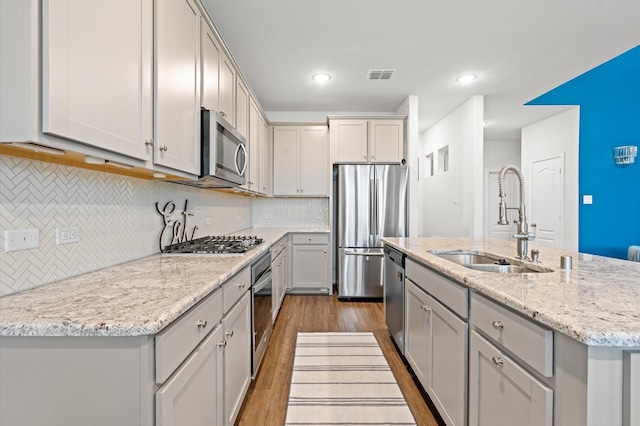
(371, 203)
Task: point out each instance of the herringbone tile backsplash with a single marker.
(116, 215)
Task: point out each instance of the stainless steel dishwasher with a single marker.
(394, 294)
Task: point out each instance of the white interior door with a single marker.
(492, 202)
(547, 200)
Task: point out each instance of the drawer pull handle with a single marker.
(223, 343)
(425, 308)
(163, 148)
(498, 361)
(241, 285)
(202, 323)
(229, 333)
(148, 142)
(498, 325)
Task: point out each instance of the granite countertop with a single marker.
(596, 303)
(136, 298)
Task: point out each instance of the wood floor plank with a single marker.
(266, 401)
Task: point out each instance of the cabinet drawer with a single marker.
(176, 342)
(278, 247)
(310, 238)
(453, 295)
(530, 342)
(234, 288)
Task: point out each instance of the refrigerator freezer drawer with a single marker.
(360, 273)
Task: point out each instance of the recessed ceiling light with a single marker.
(466, 78)
(321, 78)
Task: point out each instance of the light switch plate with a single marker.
(21, 239)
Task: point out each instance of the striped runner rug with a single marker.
(343, 379)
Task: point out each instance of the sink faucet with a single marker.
(523, 236)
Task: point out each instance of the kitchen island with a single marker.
(121, 344)
(581, 328)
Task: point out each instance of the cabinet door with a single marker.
(314, 161)
(237, 357)
(416, 330)
(265, 158)
(386, 141)
(242, 108)
(310, 267)
(192, 395)
(177, 123)
(349, 139)
(446, 375)
(97, 77)
(501, 393)
(210, 66)
(253, 181)
(227, 89)
(285, 160)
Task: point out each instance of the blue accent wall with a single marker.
(609, 100)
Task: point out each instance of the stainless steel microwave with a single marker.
(223, 153)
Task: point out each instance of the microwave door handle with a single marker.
(244, 166)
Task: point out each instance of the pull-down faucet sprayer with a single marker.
(523, 235)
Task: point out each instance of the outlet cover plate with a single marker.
(70, 234)
(21, 239)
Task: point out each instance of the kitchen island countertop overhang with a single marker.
(596, 303)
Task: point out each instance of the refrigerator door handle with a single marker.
(372, 204)
(377, 224)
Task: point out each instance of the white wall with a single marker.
(452, 201)
(501, 153)
(555, 135)
(410, 108)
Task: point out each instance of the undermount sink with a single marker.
(487, 262)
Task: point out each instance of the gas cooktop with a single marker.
(227, 244)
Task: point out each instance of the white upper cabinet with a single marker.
(300, 161)
(242, 108)
(253, 179)
(210, 67)
(386, 141)
(367, 141)
(265, 158)
(177, 119)
(227, 89)
(97, 76)
(350, 139)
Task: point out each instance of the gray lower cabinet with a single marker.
(436, 349)
(310, 263)
(501, 393)
(237, 357)
(280, 275)
(192, 395)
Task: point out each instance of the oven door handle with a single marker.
(264, 280)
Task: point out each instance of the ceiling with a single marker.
(519, 50)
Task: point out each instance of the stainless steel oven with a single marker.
(261, 308)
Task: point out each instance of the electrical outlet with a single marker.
(70, 234)
(21, 239)
(207, 220)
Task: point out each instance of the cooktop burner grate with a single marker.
(223, 244)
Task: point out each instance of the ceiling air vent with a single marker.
(380, 74)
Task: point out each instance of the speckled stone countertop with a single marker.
(136, 298)
(597, 302)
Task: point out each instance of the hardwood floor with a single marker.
(266, 401)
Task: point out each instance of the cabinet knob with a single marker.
(241, 285)
(498, 361)
(163, 148)
(223, 343)
(202, 323)
(229, 333)
(425, 308)
(222, 113)
(364, 156)
(148, 142)
(498, 325)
